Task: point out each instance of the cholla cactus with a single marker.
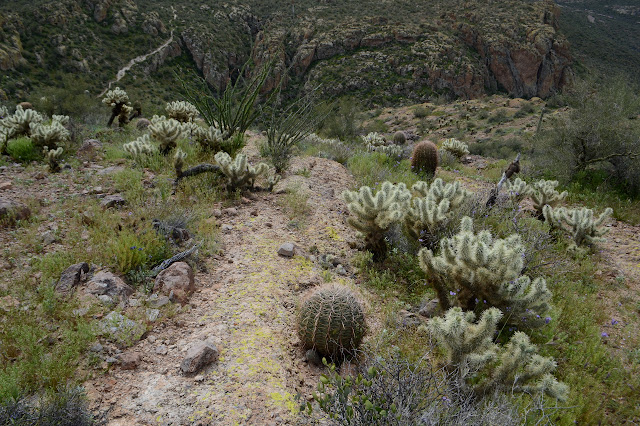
(167, 132)
(4, 140)
(62, 119)
(272, 181)
(182, 111)
(374, 139)
(388, 150)
(4, 112)
(139, 147)
(53, 157)
(580, 223)
(455, 147)
(239, 172)
(20, 122)
(485, 366)
(518, 190)
(372, 215)
(178, 161)
(118, 100)
(477, 267)
(210, 139)
(50, 135)
(544, 193)
(435, 209)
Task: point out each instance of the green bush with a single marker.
(22, 150)
(132, 250)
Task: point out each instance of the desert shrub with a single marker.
(600, 132)
(333, 149)
(132, 250)
(22, 150)
(499, 116)
(62, 408)
(506, 149)
(341, 122)
(389, 389)
(526, 109)
(421, 111)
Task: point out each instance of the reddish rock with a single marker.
(130, 360)
(176, 281)
(198, 357)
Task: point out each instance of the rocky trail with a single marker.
(245, 304)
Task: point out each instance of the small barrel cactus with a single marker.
(399, 138)
(425, 158)
(331, 321)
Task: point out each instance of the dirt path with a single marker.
(246, 305)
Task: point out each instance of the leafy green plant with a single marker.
(130, 250)
(22, 150)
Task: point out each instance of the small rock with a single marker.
(178, 280)
(142, 123)
(199, 378)
(162, 350)
(157, 302)
(89, 149)
(245, 200)
(88, 218)
(409, 319)
(48, 238)
(122, 330)
(254, 212)
(104, 282)
(96, 347)
(112, 201)
(216, 212)
(226, 228)
(313, 357)
(231, 211)
(198, 357)
(340, 270)
(7, 303)
(134, 303)
(268, 225)
(430, 308)
(5, 185)
(106, 300)
(71, 277)
(130, 361)
(111, 360)
(153, 314)
(110, 170)
(287, 250)
(11, 211)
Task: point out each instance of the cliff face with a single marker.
(464, 48)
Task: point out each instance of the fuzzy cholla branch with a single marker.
(372, 215)
(435, 208)
(178, 161)
(478, 267)
(518, 190)
(182, 111)
(544, 193)
(239, 172)
(485, 366)
(167, 132)
(118, 100)
(210, 139)
(53, 158)
(581, 223)
(20, 122)
(50, 135)
(455, 147)
(139, 147)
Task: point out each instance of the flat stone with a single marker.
(231, 211)
(156, 301)
(153, 314)
(409, 319)
(287, 250)
(96, 347)
(162, 350)
(106, 300)
(430, 309)
(11, 211)
(226, 228)
(110, 170)
(130, 360)
(5, 185)
(106, 283)
(71, 277)
(114, 200)
(48, 238)
(198, 357)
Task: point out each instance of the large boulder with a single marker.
(12, 211)
(177, 282)
(106, 283)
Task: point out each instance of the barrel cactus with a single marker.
(399, 138)
(331, 321)
(425, 158)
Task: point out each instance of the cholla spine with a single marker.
(182, 111)
(19, 124)
(455, 147)
(53, 157)
(581, 223)
(518, 189)
(435, 208)
(485, 366)
(118, 100)
(544, 193)
(167, 132)
(239, 172)
(140, 146)
(372, 215)
(50, 135)
(477, 266)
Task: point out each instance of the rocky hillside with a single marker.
(380, 51)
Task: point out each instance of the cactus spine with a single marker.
(455, 147)
(544, 193)
(434, 210)
(371, 215)
(485, 366)
(239, 172)
(182, 111)
(399, 138)
(50, 135)
(518, 190)
(139, 147)
(477, 267)
(167, 132)
(53, 158)
(118, 100)
(331, 321)
(425, 158)
(581, 223)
